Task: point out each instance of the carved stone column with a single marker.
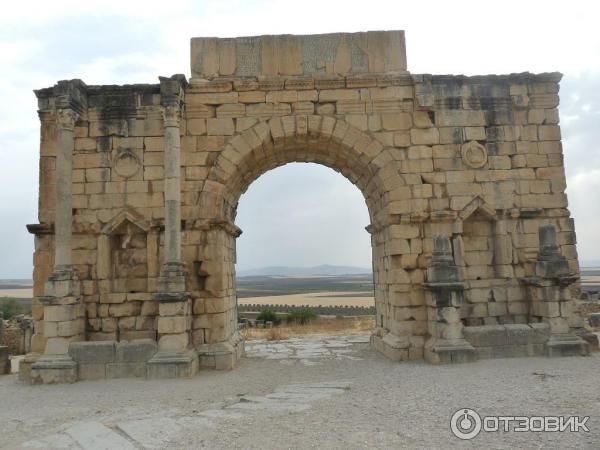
(63, 308)
(550, 296)
(174, 358)
(444, 297)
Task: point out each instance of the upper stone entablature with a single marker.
(297, 55)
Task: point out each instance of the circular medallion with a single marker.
(474, 154)
(126, 164)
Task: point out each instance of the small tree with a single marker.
(302, 316)
(12, 307)
(268, 315)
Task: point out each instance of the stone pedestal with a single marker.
(50, 369)
(550, 295)
(444, 297)
(222, 355)
(173, 364)
(25, 366)
(64, 323)
(175, 357)
(394, 348)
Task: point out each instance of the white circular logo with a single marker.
(465, 424)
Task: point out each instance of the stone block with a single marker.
(330, 95)
(71, 327)
(172, 325)
(58, 345)
(125, 309)
(392, 353)
(196, 126)
(172, 365)
(549, 133)
(220, 127)
(91, 371)
(50, 369)
(174, 309)
(132, 335)
(396, 121)
(424, 136)
(59, 313)
(126, 370)
(486, 335)
(93, 352)
(135, 351)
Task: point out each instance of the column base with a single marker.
(166, 364)
(443, 351)
(25, 366)
(53, 369)
(222, 355)
(394, 348)
(566, 345)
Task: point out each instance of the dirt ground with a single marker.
(316, 391)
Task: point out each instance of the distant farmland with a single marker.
(264, 286)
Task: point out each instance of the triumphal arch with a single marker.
(473, 248)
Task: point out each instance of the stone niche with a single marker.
(127, 251)
(474, 250)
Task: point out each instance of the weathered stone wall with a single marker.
(475, 159)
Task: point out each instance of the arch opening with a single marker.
(304, 245)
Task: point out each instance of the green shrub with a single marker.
(302, 316)
(268, 315)
(12, 307)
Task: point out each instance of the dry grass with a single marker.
(333, 326)
(275, 334)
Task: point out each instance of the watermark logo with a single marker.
(467, 423)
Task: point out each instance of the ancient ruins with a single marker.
(473, 248)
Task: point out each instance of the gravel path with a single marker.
(306, 393)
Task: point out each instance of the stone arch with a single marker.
(321, 139)
(328, 141)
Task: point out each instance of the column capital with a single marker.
(171, 115)
(66, 118)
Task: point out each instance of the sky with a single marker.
(119, 42)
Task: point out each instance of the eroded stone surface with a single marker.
(475, 162)
(308, 351)
(159, 431)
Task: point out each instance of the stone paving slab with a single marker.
(308, 351)
(156, 432)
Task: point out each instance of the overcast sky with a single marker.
(313, 215)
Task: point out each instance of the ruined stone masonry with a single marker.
(473, 248)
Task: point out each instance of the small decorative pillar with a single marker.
(64, 313)
(503, 250)
(550, 296)
(444, 296)
(175, 357)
